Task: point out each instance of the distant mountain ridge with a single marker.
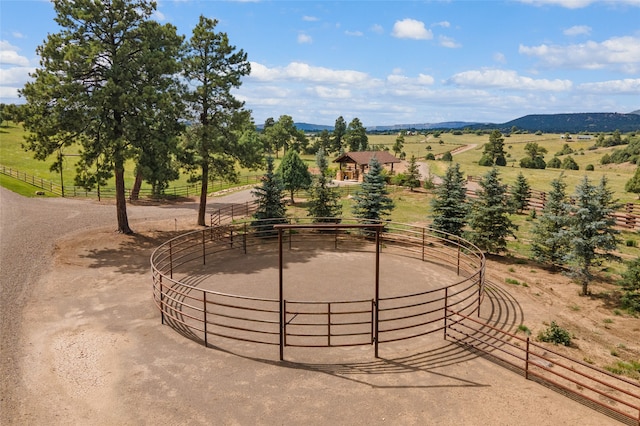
(548, 123)
(575, 123)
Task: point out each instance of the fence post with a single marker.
(244, 238)
(204, 312)
(329, 324)
(204, 254)
(423, 230)
(458, 270)
(526, 361)
(170, 260)
(446, 309)
(161, 301)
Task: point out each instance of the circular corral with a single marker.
(222, 283)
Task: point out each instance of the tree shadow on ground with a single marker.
(131, 254)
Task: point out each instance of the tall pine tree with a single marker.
(413, 174)
(592, 233)
(550, 232)
(372, 201)
(106, 75)
(449, 206)
(489, 216)
(213, 68)
(520, 194)
(271, 206)
(324, 201)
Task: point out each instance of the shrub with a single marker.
(554, 163)
(589, 168)
(447, 156)
(399, 179)
(570, 164)
(430, 156)
(486, 161)
(555, 334)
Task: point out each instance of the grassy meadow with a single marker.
(13, 155)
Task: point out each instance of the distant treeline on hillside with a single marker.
(548, 123)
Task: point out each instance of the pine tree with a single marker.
(271, 206)
(489, 216)
(412, 179)
(633, 184)
(592, 233)
(293, 173)
(324, 201)
(213, 68)
(520, 194)
(493, 153)
(107, 74)
(449, 206)
(372, 201)
(550, 236)
(630, 283)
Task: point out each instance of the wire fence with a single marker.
(106, 192)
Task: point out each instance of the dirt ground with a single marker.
(82, 343)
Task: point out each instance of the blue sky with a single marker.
(392, 62)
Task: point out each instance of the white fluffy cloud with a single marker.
(411, 28)
(569, 4)
(304, 72)
(622, 53)
(577, 30)
(576, 4)
(9, 55)
(304, 38)
(507, 79)
(448, 42)
(629, 86)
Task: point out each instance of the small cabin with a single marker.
(354, 165)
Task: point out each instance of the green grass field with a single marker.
(13, 155)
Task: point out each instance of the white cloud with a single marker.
(354, 33)
(443, 24)
(569, 4)
(628, 86)
(378, 29)
(304, 39)
(448, 42)
(577, 30)
(8, 93)
(410, 28)
(159, 16)
(507, 79)
(619, 52)
(499, 57)
(425, 79)
(305, 72)
(9, 55)
(324, 92)
(579, 4)
(15, 75)
(310, 18)
(17, 34)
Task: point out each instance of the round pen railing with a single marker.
(203, 313)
